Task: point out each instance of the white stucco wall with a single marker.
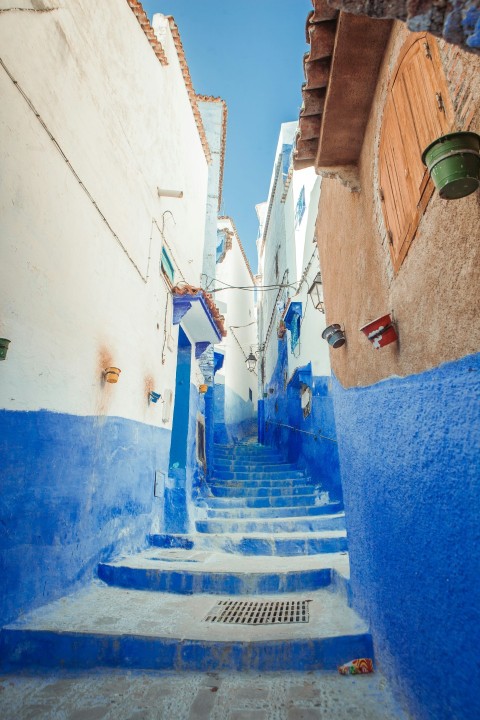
(82, 290)
(240, 322)
(293, 244)
(300, 243)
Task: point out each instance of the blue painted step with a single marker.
(233, 491)
(259, 502)
(266, 525)
(252, 467)
(259, 544)
(20, 649)
(251, 476)
(189, 582)
(269, 512)
(242, 483)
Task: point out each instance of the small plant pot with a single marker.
(334, 335)
(381, 331)
(111, 374)
(281, 330)
(453, 161)
(385, 337)
(154, 397)
(4, 343)
(202, 389)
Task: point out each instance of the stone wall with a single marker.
(456, 22)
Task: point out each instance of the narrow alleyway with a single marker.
(266, 535)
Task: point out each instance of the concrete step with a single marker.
(243, 453)
(257, 481)
(258, 476)
(236, 466)
(260, 491)
(269, 512)
(187, 572)
(267, 525)
(113, 627)
(259, 502)
(282, 544)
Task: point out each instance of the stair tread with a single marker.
(207, 561)
(104, 610)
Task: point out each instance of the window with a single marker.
(300, 208)
(167, 266)
(417, 110)
(250, 394)
(306, 400)
(201, 440)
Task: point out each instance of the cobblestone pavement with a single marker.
(147, 695)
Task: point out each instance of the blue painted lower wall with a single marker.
(75, 490)
(235, 418)
(410, 464)
(312, 443)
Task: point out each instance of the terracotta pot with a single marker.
(202, 389)
(111, 374)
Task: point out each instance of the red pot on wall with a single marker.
(381, 331)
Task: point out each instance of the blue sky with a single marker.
(249, 52)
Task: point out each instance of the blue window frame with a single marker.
(300, 207)
(167, 266)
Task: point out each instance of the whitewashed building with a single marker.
(295, 406)
(105, 166)
(236, 387)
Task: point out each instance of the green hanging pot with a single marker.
(4, 343)
(453, 161)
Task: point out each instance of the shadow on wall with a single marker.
(235, 418)
(409, 454)
(307, 438)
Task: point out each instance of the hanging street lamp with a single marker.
(251, 362)
(316, 293)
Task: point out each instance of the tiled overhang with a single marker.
(199, 316)
(341, 72)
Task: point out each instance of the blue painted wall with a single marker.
(75, 490)
(228, 405)
(410, 464)
(315, 449)
(178, 451)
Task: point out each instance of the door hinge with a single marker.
(439, 99)
(428, 54)
(380, 192)
(390, 237)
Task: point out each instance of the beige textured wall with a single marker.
(435, 296)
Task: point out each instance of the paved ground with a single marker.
(121, 695)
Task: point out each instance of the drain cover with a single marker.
(249, 612)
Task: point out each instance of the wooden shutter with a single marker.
(417, 110)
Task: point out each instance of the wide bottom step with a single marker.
(104, 626)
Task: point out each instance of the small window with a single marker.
(250, 394)
(417, 110)
(201, 441)
(167, 267)
(306, 400)
(300, 208)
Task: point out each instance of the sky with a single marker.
(250, 53)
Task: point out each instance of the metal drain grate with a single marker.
(249, 612)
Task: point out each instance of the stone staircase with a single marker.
(263, 532)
